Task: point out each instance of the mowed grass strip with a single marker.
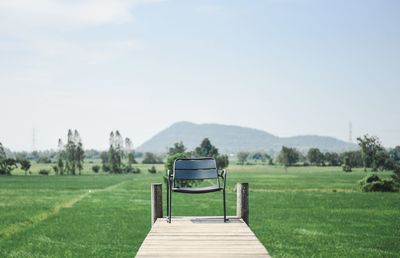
(299, 213)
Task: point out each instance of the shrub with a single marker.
(169, 165)
(346, 168)
(44, 172)
(371, 179)
(105, 168)
(151, 158)
(44, 160)
(131, 169)
(375, 184)
(96, 168)
(152, 170)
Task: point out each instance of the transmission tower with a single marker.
(350, 134)
(33, 139)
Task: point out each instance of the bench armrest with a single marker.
(169, 174)
(223, 174)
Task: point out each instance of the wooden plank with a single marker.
(207, 237)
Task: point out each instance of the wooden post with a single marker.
(156, 202)
(242, 202)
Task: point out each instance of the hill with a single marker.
(232, 139)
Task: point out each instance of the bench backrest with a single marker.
(195, 169)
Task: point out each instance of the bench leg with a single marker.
(169, 206)
(224, 196)
(167, 202)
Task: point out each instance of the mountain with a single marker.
(232, 139)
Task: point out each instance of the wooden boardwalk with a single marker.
(201, 237)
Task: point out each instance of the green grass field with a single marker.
(306, 212)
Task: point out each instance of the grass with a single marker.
(304, 212)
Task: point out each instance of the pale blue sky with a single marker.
(289, 67)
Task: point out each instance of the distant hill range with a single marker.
(232, 139)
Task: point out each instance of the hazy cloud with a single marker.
(64, 14)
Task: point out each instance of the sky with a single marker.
(289, 67)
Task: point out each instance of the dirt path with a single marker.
(38, 218)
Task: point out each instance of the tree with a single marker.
(96, 168)
(242, 157)
(177, 148)
(222, 161)
(70, 157)
(332, 158)
(206, 149)
(115, 152)
(104, 161)
(169, 162)
(351, 159)
(315, 156)
(25, 165)
(151, 158)
(370, 146)
(395, 154)
(60, 163)
(70, 147)
(261, 156)
(169, 165)
(35, 155)
(129, 153)
(112, 158)
(6, 164)
(79, 152)
(288, 156)
(152, 170)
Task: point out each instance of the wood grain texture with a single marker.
(201, 237)
(156, 202)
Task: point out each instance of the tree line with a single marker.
(371, 155)
(120, 157)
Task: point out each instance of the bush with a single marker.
(346, 168)
(105, 168)
(371, 179)
(169, 165)
(374, 184)
(152, 170)
(151, 158)
(44, 160)
(131, 169)
(96, 168)
(44, 172)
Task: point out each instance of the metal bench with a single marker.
(195, 169)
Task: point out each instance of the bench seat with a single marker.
(207, 189)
